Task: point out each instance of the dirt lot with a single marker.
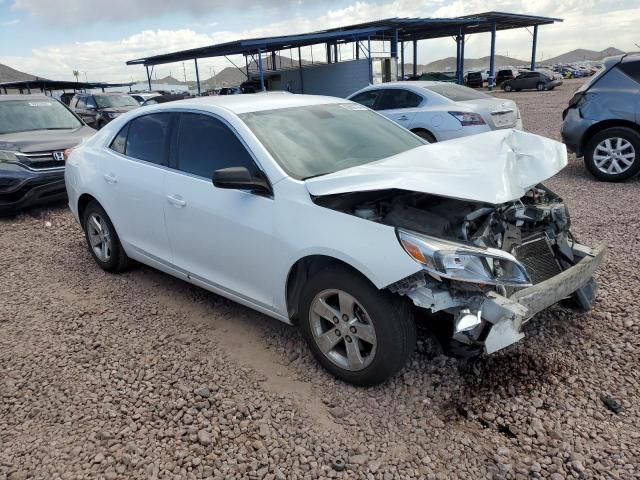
(143, 376)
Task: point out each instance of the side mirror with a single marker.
(239, 178)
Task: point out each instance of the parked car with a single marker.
(98, 109)
(66, 97)
(35, 130)
(323, 214)
(142, 97)
(504, 75)
(162, 99)
(474, 80)
(538, 80)
(439, 111)
(230, 91)
(602, 121)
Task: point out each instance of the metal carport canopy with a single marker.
(408, 29)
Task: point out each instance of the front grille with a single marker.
(538, 258)
(40, 160)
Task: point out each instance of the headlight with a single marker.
(464, 263)
(8, 156)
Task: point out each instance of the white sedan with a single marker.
(438, 111)
(322, 213)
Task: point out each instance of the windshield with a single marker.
(457, 93)
(320, 139)
(108, 101)
(38, 114)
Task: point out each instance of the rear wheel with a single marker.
(613, 154)
(428, 136)
(102, 239)
(358, 333)
(540, 86)
(507, 87)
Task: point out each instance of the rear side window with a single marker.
(632, 69)
(398, 98)
(147, 138)
(206, 144)
(119, 143)
(368, 99)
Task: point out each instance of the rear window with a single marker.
(457, 93)
(632, 69)
(110, 101)
(35, 114)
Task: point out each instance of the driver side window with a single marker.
(206, 144)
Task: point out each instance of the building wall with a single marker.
(334, 79)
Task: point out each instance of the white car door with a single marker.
(133, 175)
(219, 237)
(399, 105)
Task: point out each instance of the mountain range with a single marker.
(232, 76)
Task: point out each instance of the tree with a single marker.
(76, 74)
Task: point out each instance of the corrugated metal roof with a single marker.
(407, 28)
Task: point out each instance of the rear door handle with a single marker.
(403, 118)
(110, 178)
(176, 200)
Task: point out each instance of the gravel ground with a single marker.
(143, 376)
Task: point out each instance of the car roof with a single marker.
(254, 102)
(26, 97)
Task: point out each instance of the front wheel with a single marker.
(360, 334)
(613, 155)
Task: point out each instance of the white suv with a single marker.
(322, 213)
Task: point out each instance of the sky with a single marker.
(51, 38)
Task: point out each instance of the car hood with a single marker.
(494, 167)
(44, 140)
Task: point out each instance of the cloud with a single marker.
(584, 27)
(69, 12)
(9, 22)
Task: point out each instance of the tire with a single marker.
(507, 88)
(383, 319)
(105, 249)
(624, 143)
(540, 86)
(425, 135)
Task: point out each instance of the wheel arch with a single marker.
(426, 130)
(603, 125)
(83, 201)
(302, 269)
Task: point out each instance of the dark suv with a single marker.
(474, 80)
(503, 76)
(98, 109)
(538, 80)
(35, 130)
(602, 121)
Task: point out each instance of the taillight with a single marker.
(467, 119)
(66, 153)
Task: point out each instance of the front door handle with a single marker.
(110, 178)
(176, 200)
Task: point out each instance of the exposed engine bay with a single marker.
(542, 258)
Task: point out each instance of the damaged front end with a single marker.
(488, 268)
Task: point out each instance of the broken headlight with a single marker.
(464, 263)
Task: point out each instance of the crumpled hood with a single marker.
(494, 167)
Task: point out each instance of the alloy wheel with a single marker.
(343, 330)
(614, 155)
(99, 237)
